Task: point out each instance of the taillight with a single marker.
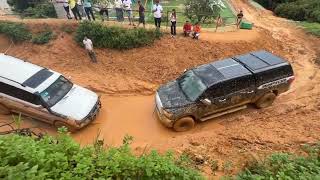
(291, 79)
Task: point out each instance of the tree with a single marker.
(202, 10)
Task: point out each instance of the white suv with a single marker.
(45, 95)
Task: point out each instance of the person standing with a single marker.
(157, 13)
(89, 47)
(173, 20)
(141, 15)
(65, 5)
(103, 9)
(127, 8)
(81, 8)
(88, 8)
(74, 8)
(119, 11)
(239, 18)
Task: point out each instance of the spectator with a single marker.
(88, 8)
(196, 31)
(103, 9)
(65, 7)
(81, 8)
(187, 28)
(239, 18)
(219, 22)
(74, 8)
(141, 15)
(173, 20)
(119, 11)
(157, 13)
(127, 8)
(89, 47)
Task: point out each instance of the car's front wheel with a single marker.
(59, 124)
(183, 124)
(266, 100)
(4, 110)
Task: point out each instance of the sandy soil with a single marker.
(127, 80)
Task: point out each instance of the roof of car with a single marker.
(259, 60)
(25, 75)
(220, 71)
(17, 70)
(243, 65)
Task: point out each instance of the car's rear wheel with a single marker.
(59, 124)
(266, 100)
(184, 124)
(4, 110)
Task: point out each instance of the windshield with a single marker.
(56, 91)
(191, 85)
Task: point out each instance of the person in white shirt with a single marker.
(119, 11)
(157, 13)
(65, 5)
(173, 20)
(89, 47)
(128, 10)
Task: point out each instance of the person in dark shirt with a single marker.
(141, 15)
(239, 18)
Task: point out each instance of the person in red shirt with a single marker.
(187, 28)
(196, 31)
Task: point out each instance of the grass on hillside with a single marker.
(312, 28)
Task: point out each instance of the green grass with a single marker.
(312, 28)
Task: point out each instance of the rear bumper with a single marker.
(164, 120)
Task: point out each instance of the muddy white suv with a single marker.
(45, 95)
(223, 87)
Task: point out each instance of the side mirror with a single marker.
(185, 70)
(206, 101)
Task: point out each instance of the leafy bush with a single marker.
(35, 9)
(299, 10)
(286, 166)
(313, 28)
(115, 37)
(45, 10)
(43, 37)
(62, 158)
(16, 31)
(201, 10)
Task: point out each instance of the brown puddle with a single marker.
(119, 116)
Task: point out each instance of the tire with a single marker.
(59, 124)
(266, 100)
(183, 124)
(4, 110)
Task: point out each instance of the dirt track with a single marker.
(127, 80)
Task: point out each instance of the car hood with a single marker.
(172, 96)
(76, 104)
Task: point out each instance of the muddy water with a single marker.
(125, 115)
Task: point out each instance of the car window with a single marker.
(238, 84)
(19, 93)
(215, 91)
(191, 85)
(56, 91)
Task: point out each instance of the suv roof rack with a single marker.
(13, 81)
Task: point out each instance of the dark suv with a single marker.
(222, 87)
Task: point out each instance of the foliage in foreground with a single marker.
(15, 31)
(286, 166)
(115, 37)
(62, 158)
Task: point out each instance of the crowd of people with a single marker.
(83, 9)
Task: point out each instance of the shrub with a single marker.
(201, 10)
(43, 37)
(45, 10)
(286, 166)
(15, 31)
(62, 158)
(115, 37)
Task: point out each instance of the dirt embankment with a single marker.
(124, 78)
